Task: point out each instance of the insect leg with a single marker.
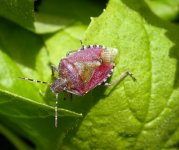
(122, 77)
(82, 45)
(69, 52)
(54, 68)
(56, 111)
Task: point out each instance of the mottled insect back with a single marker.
(82, 70)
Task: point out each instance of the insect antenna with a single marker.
(56, 104)
(33, 80)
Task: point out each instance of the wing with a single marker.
(99, 75)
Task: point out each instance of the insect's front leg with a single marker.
(54, 68)
(82, 45)
(122, 77)
(70, 52)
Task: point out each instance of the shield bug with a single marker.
(82, 70)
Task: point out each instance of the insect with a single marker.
(82, 70)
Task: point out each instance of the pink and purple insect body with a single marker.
(82, 70)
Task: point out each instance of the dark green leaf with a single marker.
(49, 16)
(19, 11)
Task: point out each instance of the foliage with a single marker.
(130, 115)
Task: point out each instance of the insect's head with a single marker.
(58, 85)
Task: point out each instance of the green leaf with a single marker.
(13, 138)
(19, 11)
(130, 115)
(140, 115)
(49, 16)
(56, 15)
(166, 9)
